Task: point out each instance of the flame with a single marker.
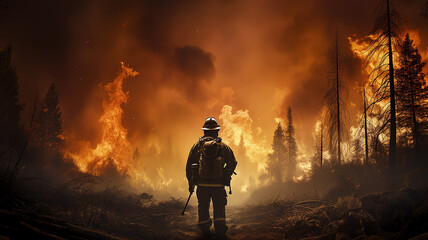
(238, 130)
(414, 35)
(114, 148)
(239, 126)
(359, 47)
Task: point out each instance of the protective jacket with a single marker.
(194, 156)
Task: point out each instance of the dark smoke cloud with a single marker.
(194, 63)
(196, 66)
(193, 57)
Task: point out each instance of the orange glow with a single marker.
(114, 147)
(360, 48)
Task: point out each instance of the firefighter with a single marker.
(210, 166)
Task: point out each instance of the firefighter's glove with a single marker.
(191, 187)
(226, 180)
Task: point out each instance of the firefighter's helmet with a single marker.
(211, 124)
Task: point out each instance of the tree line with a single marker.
(281, 163)
(44, 134)
(394, 121)
(393, 128)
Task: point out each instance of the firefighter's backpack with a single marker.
(211, 163)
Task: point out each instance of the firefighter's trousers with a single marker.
(219, 197)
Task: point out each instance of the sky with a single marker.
(243, 62)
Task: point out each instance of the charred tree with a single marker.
(321, 144)
(393, 127)
(291, 145)
(381, 51)
(338, 101)
(366, 142)
(278, 157)
(412, 93)
(335, 108)
(10, 108)
(11, 134)
(318, 158)
(48, 125)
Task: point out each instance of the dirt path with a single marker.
(243, 223)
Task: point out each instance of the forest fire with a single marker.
(361, 49)
(375, 64)
(114, 150)
(320, 107)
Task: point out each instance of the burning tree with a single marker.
(291, 145)
(380, 60)
(412, 93)
(357, 141)
(48, 131)
(366, 137)
(317, 159)
(278, 157)
(335, 109)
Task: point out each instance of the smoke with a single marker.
(196, 59)
(249, 146)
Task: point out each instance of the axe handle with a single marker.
(185, 206)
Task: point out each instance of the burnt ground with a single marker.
(401, 214)
(243, 224)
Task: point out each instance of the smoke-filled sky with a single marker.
(193, 57)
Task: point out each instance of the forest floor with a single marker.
(19, 224)
(400, 214)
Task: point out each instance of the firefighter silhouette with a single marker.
(210, 166)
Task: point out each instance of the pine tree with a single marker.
(317, 158)
(291, 146)
(321, 144)
(335, 108)
(412, 93)
(366, 138)
(386, 29)
(48, 129)
(277, 158)
(9, 107)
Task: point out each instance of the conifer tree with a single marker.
(278, 157)
(9, 107)
(48, 129)
(386, 29)
(317, 158)
(412, 93)
(290, 143)
(335, 108)
(366, 138)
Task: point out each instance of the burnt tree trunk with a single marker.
(392, 161)
(337, 101)
(366, 160)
